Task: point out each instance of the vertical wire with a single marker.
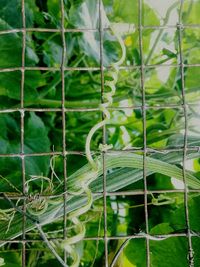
(64, 122)
(184, 106)
(144, 130)
(104, 135)
(22, 130)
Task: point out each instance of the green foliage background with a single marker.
(43, 130)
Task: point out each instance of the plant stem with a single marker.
(129, 170)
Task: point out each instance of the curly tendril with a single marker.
(86, 179)
(37, 204)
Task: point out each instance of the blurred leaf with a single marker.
(11, 259)
(10, 12)
(168, 53)
(191, 11)
(196, 165)
(84, 14)
(33, 15)
(49, 48)
(10, 86)
(177, 218)
(162, 228)
(52, 54)
(162, 251)
(135, 252)
(11, 49)
(123, 12)
(36, 140)
(54, 12)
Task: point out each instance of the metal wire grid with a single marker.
(189, 234)
(144, 131)
(190, 247)
(104, 136)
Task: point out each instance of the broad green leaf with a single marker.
(33, 15)
(196, 245)
(49, 50)
(123, 12)
(120, 178)
(10, 12)
(10, 133)
(84, 14)
(33, 81)
(52, 54)
(10, 87)
(11, 258)
(10, 49)
(169, 252)
(31, 58)
(192, 81)
(135, 252)
(196, 165)
(177, 218)
(36, 140)
(36, 134)
(54, 12)
(162, 228)
(191, 10)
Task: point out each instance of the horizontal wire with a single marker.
(109, 194)
(74, 30)
(140, 235)
(83, 109)
(111, 151)
(97, 68)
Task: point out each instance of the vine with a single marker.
(86, 179)
(37, 204)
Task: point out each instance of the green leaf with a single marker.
(11, 259)
(11, 49)
(124, 13)
(191, 11)
(33, 15)
(10, 133)
(54, 12)
(33, 81)
(36, 140)
(36, 135)
(161, 228)
(177, 218)
(116, 180)
(136, 252)
(84, 14)
(170, 251)
(196, 165)
(52, 53)
(31, 57)
(10, 12)
(168, 53)
(10, 86)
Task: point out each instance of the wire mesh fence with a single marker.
(113, 182)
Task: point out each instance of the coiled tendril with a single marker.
(86, 179)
